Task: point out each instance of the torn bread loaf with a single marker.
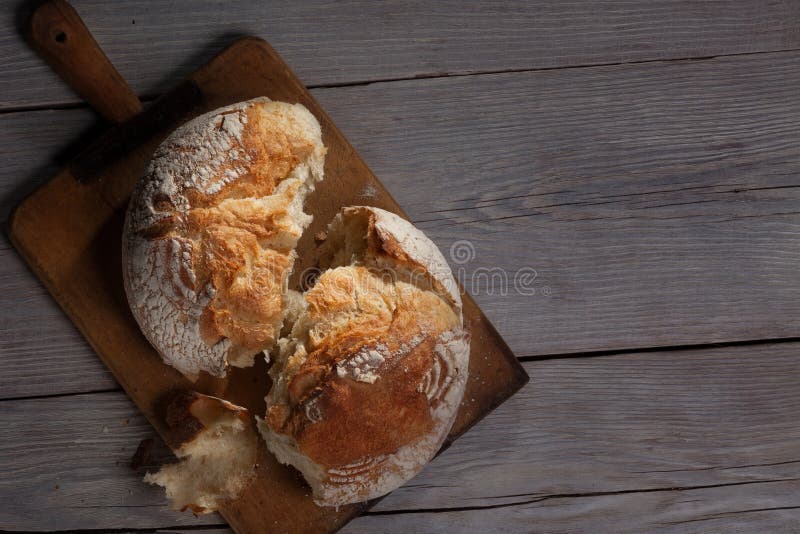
(368, 384)
(216, 443)
(211, 229)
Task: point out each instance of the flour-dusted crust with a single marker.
(211, 229)
(401, 240)
(387, 241)
(368, 385)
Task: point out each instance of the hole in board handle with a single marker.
(61, 37)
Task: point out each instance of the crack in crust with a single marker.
(211, 230)
(369, 380)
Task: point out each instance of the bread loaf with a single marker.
(211, 229)
(368, 384)
(368, 381)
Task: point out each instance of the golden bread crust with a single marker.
(368, 388)
(211, 230)
(336, 418)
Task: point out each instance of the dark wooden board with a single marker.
(658, 202)
(69, 233)
(694, 441)
(154, 43)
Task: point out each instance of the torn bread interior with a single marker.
(216, 444)
(368, 384)
(210, 233)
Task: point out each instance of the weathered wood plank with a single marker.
(768, 507)
(156, 43)
(626, 422)
(656, 203)
(35, 335)
(219, 529)
(86, 443)
(591, 442)
(41, 351)
(34, 147)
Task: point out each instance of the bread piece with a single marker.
(211, 229)
(217, 445)
(368, 384)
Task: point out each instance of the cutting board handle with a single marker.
(57, 33)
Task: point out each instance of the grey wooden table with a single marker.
(638, 160)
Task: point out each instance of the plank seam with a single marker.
(56, 106)
(454, 509)
(531, 358)
(59, 395)
(576, 496)
(664, 348)
(121, 530)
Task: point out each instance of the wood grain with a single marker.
(69, 232)
(154, 44)
(27, 312)
(60, 360)
(658, 208)
(657, 203)
(704, 439)
(57, 33)
(768, 507)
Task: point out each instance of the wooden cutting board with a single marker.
(69, 232)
